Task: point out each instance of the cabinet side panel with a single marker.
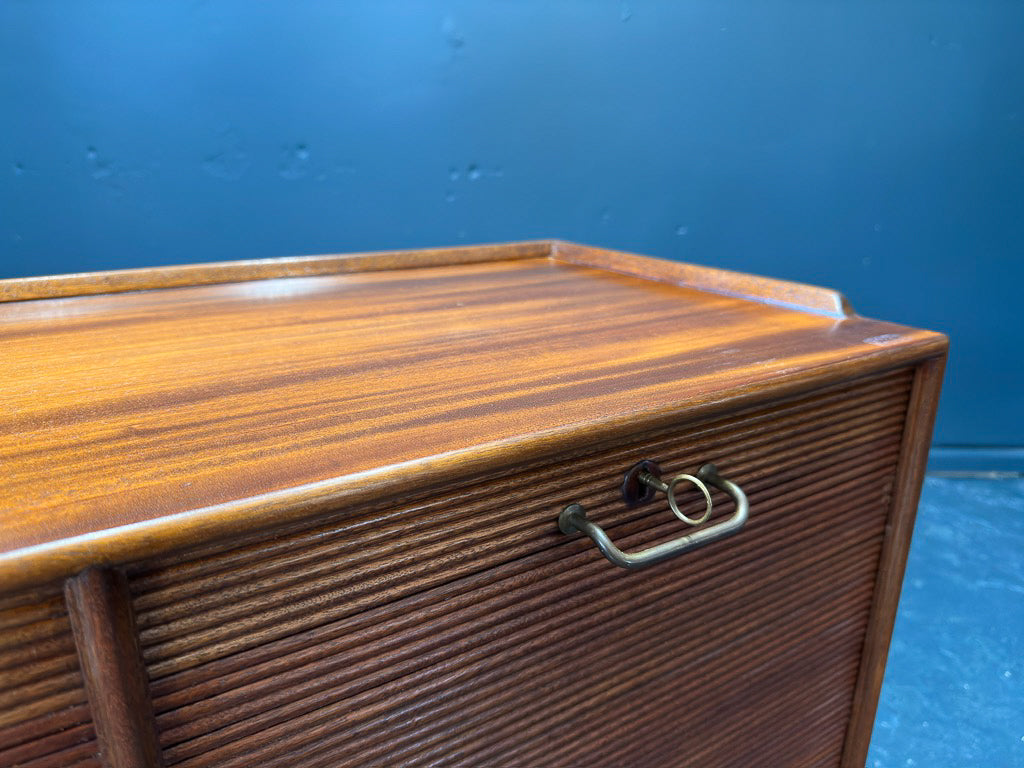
(44, 717)
(924, 402)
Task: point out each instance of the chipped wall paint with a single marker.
(875, 147)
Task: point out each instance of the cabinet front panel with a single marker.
(463, 628)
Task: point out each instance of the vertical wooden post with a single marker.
(917, 435)
(99, 606)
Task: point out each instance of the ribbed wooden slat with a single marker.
(725, 712)
(26, 746)
(32, 633)
(44, 719)
(321, 734)
(472, 694)
(312, 685)
(463, 629)
(481, 616)
(78, 756)
(54, 644)
(58, 667)
(755, 738)
(19, 609)
(499, 671)
(477, 714)
(829, 608)
(594, 734)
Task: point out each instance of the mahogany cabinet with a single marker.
(535, 504)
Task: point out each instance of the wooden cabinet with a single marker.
(306, 512)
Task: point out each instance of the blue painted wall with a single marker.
(877, 147)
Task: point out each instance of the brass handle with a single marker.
(574, 518)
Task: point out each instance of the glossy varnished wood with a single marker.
(115, 682)
(181, 413)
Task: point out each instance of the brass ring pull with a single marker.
(574, 518)
(669, 489)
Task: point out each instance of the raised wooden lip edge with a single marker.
(782, 293)
(213, 273)
(44, 563)
(766, 290)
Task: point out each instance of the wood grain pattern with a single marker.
(182, 414)
(115, 681)
(446, 631)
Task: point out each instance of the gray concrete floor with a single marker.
(954, 686)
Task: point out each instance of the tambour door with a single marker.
(44, 716)
(462, 627)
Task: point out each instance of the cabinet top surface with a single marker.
(207, 403)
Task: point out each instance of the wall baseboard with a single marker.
(968, 459)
